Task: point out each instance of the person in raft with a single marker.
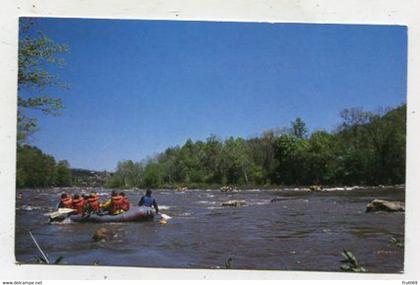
(65, 202)
(116, 205)
(148, 200)
(78, 204)
(98, 197)
(106, 206)
(125, 205)
(93, 204)
(85, 198)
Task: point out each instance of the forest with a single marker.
(37, 169)
(367, 148)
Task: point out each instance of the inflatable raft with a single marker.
(135, 214)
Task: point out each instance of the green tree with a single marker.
(34, 168)
(128, 174)
(167, 160)
(299, 128)
(211, 160)
(262, 155)
(291, 155)
(321, 156)
(63, 174)
(372, 146)
(387, 138)
(153, 175)
(36, 54)
(236, 162)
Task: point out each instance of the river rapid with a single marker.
(300, 231)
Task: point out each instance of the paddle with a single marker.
(164, 216)
(59, 212)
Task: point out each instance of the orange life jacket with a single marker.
(125, 204)
(67, 202)
(94, 204)
(78, 205)
(116, 204)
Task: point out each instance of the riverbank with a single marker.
(237, 188)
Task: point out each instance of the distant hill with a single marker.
(89, 178)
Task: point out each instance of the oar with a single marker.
(59, 212)
(164, 216)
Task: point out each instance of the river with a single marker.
(300, 231)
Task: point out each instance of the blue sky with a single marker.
(138, 87)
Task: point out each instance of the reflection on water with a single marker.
(299, 231)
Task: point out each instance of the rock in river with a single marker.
(234, 203)
(388, 206)
(101, 234)
(228, 189)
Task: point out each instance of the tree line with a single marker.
(367, 148)
(37, 169)
(34, 168)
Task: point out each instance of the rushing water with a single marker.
(301, 231)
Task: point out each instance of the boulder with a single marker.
(313, 188)
(234, 203)
(228, 189)
(388, 206)
(102, 234)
